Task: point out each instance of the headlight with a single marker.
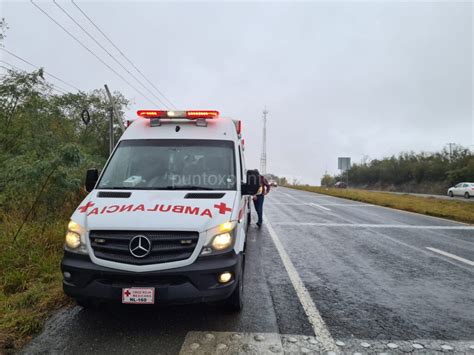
(222, 241)
(75, 238)
(219, 239)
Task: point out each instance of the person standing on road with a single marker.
(259, 198)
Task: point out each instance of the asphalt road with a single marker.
(323, 274)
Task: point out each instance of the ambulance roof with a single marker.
(220, 128)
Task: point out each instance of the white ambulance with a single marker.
(166, 220)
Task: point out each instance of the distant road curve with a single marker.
(440, 197)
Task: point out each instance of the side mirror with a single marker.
(253, 183)
(92, 176)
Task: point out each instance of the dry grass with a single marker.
(30, 286)
(451, 209)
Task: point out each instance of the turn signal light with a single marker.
(226, 227)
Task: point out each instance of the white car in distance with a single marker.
(465, 189)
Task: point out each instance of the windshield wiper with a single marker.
(185, 187)
(123, 188)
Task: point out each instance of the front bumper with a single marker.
(193, 283)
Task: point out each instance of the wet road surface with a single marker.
(323, 274)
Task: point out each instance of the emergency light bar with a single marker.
(190, 115)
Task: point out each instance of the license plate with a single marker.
(138, 295)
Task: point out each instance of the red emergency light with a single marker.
(191, 115)
(238, 127)
(202, 114)
(151, 113)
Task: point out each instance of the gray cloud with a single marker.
(339, 78)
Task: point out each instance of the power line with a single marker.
(90, 51)
(53, 87)
(11, 65)
(122, 54)
(106, 51)
(37, 67)
(24, 71)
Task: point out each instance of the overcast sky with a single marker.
(338, 78)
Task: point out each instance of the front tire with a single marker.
(466, 195)
(235, 302)
(450, 193)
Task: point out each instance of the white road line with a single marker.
(319, 327)
(319, 206)
(362, 225)
(393, 209)
(285, 204)
(308, 203)
(347, 205)
(452, 256)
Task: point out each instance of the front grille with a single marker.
(166, 246)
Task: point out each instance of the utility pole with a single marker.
(451, 145)
(263, 159)
(111, 130)
(113, 112)
(114, 108)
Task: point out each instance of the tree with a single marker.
(44, 145)
(282, 181)
(414, 172)
(327, 180)
(3, 29)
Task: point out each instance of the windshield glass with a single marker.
(171, 164)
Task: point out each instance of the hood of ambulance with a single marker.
(156, 211)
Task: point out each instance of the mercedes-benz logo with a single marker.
(140, 246)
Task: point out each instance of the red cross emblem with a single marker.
(84, 208)
(127, 293)
(222, 207)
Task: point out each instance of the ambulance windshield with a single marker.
(171, 165)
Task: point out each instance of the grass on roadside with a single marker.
(30, 286)
(455, 210)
